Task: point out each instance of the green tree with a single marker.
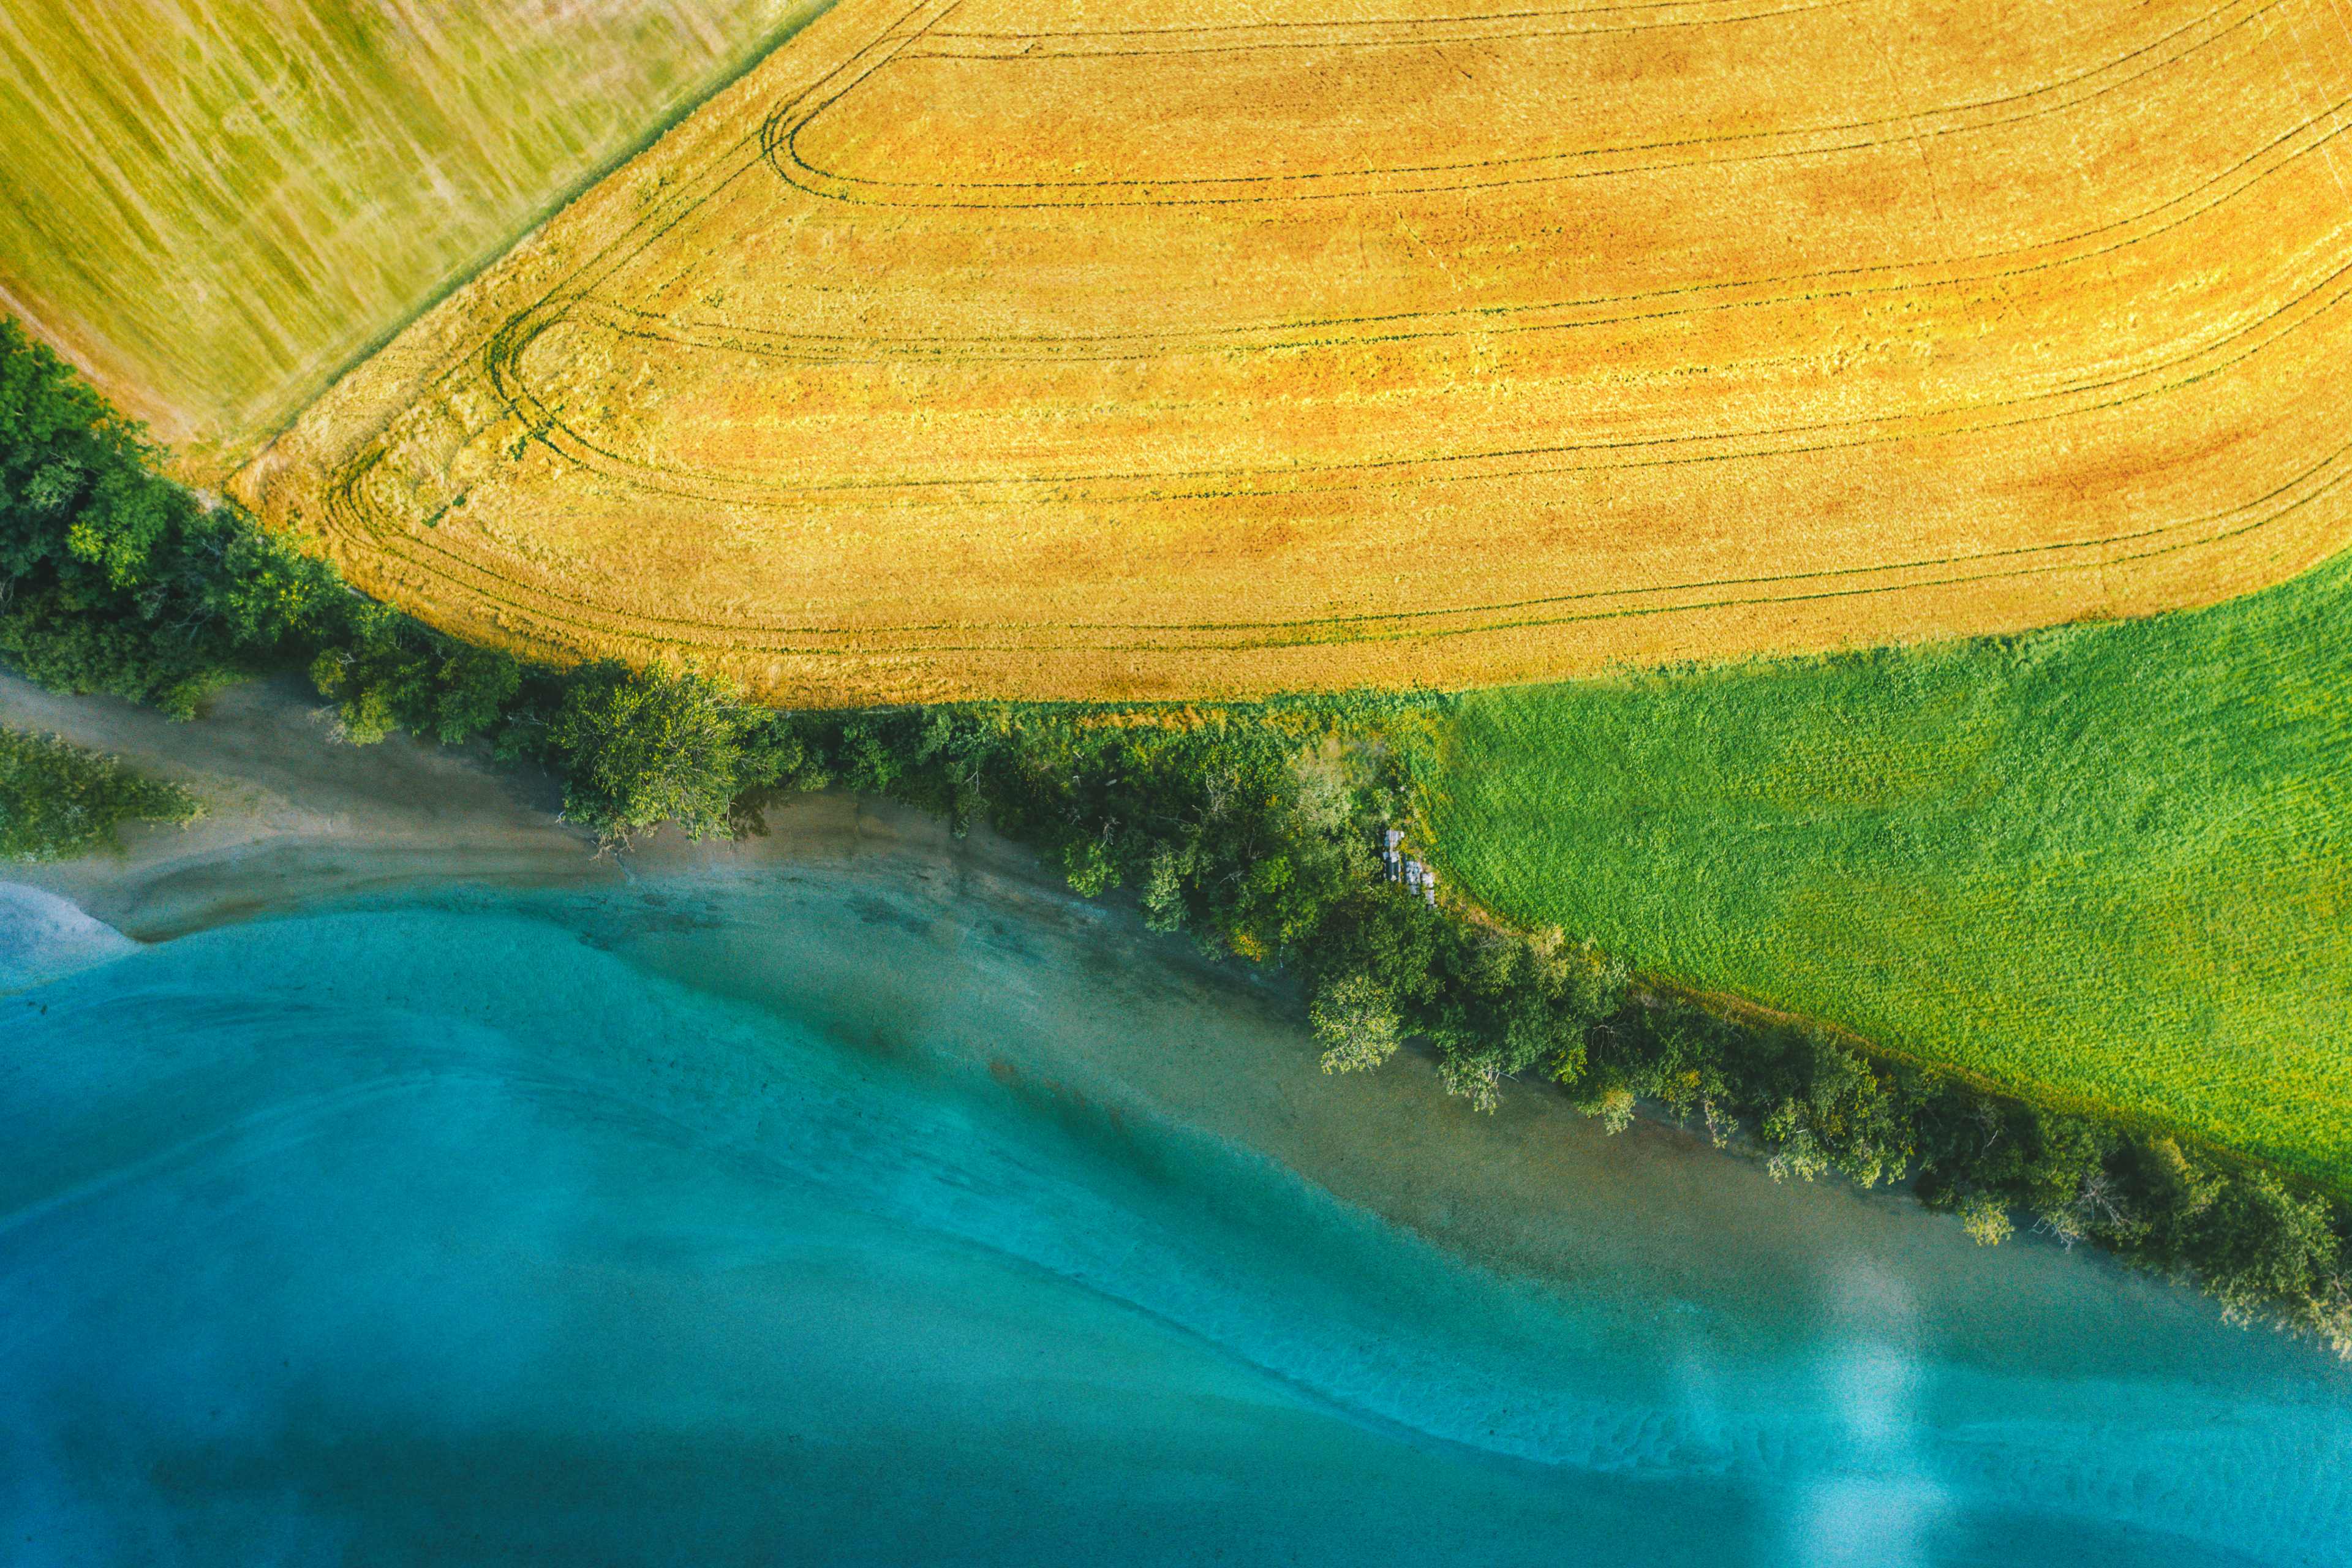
(2262, 1244)
(1986, 1219)
(1355, 1023)
(869, 761)
(1089, 863)
(1163, 888)
(1471, 1073)
(643, 747)
(476, 684)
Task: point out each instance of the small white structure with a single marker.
(1429, 885)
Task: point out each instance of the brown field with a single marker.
(1026, 348)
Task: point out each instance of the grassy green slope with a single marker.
(214, 204)
(2110, 864)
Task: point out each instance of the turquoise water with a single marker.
(487, 1228)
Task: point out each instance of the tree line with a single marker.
(1252, 831)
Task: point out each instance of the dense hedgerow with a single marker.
(1254, 832)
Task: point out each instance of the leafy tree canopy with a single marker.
(643, 747)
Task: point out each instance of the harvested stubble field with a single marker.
(2108, 866)
(216, 204)
(1028, 349)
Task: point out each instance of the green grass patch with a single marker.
(2104, 866)
(58, 800)
(219, 203)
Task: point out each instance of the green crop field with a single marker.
(2106, 864)
(214, 204)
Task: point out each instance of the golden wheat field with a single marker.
(1045, 349)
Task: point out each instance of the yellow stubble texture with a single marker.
(1040, 349)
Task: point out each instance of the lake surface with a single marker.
(892, 1212)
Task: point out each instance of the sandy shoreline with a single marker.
(293, 816)
(1699, 1292)
(871, 921)
(295, 819)
(289, 813)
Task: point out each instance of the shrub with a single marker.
(58, 800)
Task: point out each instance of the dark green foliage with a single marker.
(113, 579)
(58, 800)
(1356, 1024)
(2256, 1244)
(639, 748)
(117, 580)
(388, 672)
(1680, 1062)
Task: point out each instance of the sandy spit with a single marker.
(293, 816)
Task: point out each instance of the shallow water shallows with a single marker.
(863, 1214)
